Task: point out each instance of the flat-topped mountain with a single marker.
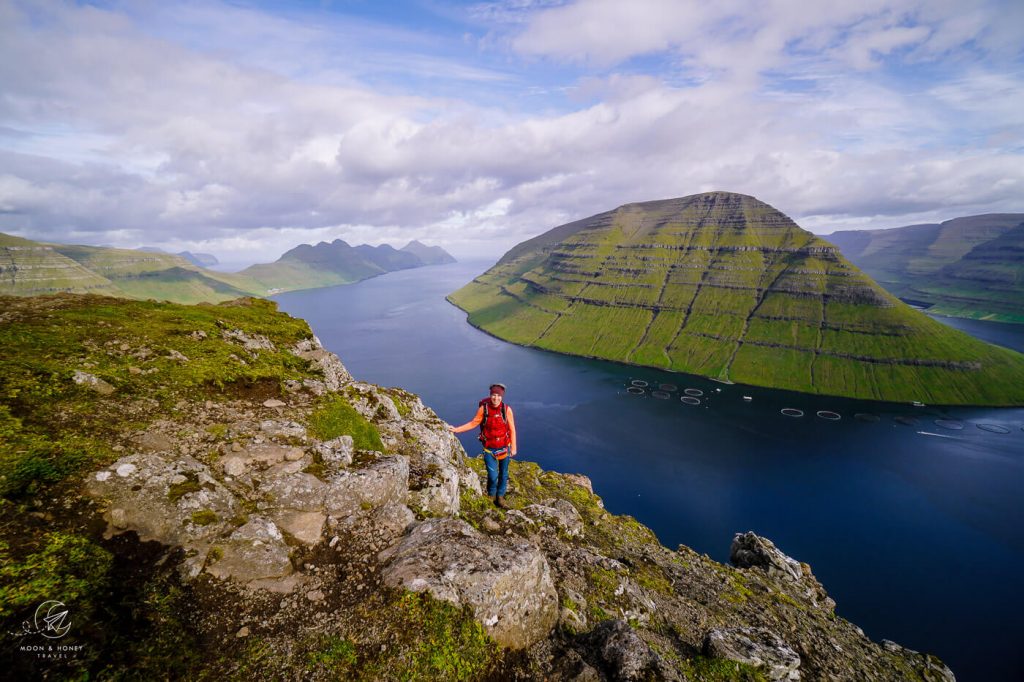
(966, 267)
(723, 285)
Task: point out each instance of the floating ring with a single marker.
(635, 390)
(639, 383)
(669, 387)
(690, 400)
(829, 415)
(792, 412)
(867, 417)
(695, 392)
(660, 395)
(906, 421)
(993, 428)
(951, 424)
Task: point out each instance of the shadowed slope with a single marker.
(725, 286)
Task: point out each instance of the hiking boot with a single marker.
(499, 502)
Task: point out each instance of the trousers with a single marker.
(497, 474)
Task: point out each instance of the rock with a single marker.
(264, 453)
(315, 595)
(436, 492)
(505, 581)
(155, 441)
(281, 428)
(118, 518)
(757, 647)
(177, 355)
(338, 452)
(559, 512)
(306, 527)
(233, 466)
(580, 480)
(392, 519)
(750, 550)
(335, 374)
(931, 668)
(298, 491)
(92, 382)
(158, 509)
(358, 491)
(624, 655)
(242, 632)
(255, 551)
(274, 402)
(251, 342)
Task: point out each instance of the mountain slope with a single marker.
(430, 255)
(725, 286)
(920, 263)
(28, 268)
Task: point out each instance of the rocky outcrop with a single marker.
(755, 647)
(753, 551)
(505, 581)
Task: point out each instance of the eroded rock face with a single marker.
(559, 513)
(255, 551)
(505, 581)
(352, 492)
(335, 374)
(750, 550)
(623, 654)
(757, 647)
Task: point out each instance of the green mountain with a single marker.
(961, 267)
(28, 268)
(430, 255)
(725, 286)
(328, 264)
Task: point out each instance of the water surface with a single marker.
(911, 517)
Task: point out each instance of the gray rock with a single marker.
(92, 382)
(931, 668)
(437, 491)
(251, 342)
(560, 513)
(154, 441)
(624, 655)
(336, 376)
(233, 466)
(305, 526)
(393, 519)
(358, 491)
(750, 550)
(581, 480)
(337, 453)
(757, 647)
(506, 581)
(282, 428)
(253, 552)
(298, 491)
(266, 454)
(274, 402)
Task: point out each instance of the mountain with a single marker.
(932, 264)
(210, 493)
(430, 255)
(203, 260)
(723, 285)
(328, 264)
(28, 268)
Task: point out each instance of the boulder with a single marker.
(757, 647)
(436, 488)
(305, 526)
(753, 551)
(337, 453)
(92, 382)
(256, 551)
(266, 454)
(559, 513)
(621, 651)
(505, 581)
(162, 499)
(298, 491)
(358, 491)
(335, 374)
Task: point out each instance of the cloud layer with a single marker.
(240, 131)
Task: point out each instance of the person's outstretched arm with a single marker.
(511, 429)
(470, 424)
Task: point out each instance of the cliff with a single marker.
(210, 493)
(725, 286)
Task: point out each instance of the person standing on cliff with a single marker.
(498, 435)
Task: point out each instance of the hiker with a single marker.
(498, 435)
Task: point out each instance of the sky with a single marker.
(242, 129)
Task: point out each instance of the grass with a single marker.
(334, 417)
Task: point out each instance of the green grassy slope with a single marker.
(28, 268)
(724, 285)
(922, 263)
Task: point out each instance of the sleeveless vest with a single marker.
(494, 430)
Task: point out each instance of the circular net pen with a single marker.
(829, 415)
(993, 428)
(689, 400)
(951, 424)
(792, 412)
(635, 390)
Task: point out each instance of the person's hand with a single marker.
(451, 428)
(514, 453)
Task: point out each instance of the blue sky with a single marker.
(244, 128)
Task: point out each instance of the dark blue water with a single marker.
(914, 527)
